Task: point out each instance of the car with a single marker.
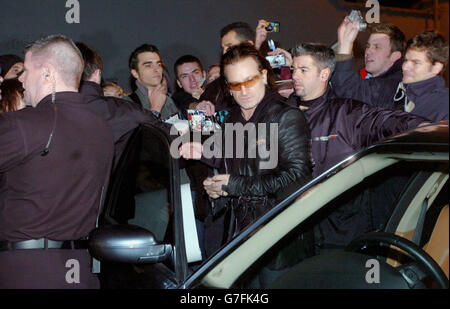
(408, 250)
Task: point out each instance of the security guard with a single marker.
(55, 161)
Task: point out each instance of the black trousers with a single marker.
(46, 269)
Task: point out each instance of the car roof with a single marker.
(434, 136)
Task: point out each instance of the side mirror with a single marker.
(127, 244)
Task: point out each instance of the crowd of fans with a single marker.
(56, 112)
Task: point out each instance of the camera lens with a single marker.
(362, 26)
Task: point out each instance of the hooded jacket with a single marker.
(430, 98)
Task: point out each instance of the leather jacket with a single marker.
(258, 182)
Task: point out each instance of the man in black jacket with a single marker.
(267, 123)
(56, 160)
(216, 96)
(383, 64)
(191, 79)
(270, 153)
(339, 128)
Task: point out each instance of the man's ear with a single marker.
(46, 72)
(264, 76)
(96, 76)
(325, 74)
(437, 68)
(395, 56)
(49, 73)
(134, 73)
(179, 84)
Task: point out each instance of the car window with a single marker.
(386, 189)
(139, 192)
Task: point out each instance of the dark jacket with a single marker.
(122, 116)
(253, 188)
(218, 94)
(56, 196)
(339, 128)
(430, 97)
(182, 100)
(376, 91)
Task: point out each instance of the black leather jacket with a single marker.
(257, 183)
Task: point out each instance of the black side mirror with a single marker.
(127, 244)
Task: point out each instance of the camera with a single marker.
(273, 26)
(276, 60)
(356, 16)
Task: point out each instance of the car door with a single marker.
(234, 264)
(145, 191)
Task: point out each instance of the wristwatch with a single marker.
(157, 114)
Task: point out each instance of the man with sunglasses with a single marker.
(216, 96)
(248, 183)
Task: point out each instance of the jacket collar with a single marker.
(311, 104)
(418, 89)
(141, 87)
(62, 98)
(395, 68)
(268, 98)
(91, 88)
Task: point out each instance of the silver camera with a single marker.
(356, 16)
(276, 60)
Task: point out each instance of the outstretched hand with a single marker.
(287, 55)
(191, 151)
(207, 106)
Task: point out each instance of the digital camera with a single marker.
(356, 16)
(273, 26)
(276, 60)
